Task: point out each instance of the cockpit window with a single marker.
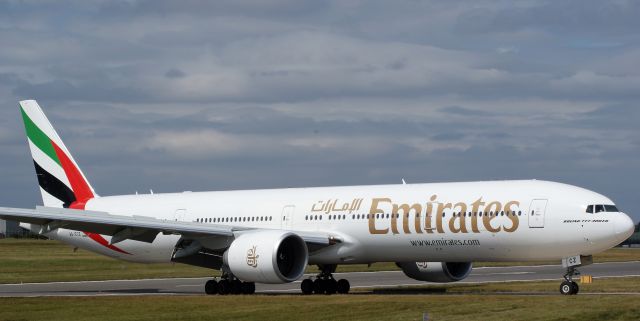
(601, 208)
(610, 208)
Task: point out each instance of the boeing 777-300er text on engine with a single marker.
(432, 231)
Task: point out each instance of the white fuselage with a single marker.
(521, 220)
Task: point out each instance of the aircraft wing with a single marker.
(139, 228)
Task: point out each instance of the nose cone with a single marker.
(623, 226)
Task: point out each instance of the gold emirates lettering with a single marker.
(483, 213)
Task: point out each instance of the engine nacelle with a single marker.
(267, 256)
(441, 272)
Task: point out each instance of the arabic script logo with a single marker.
(421, 265)
(252, 257)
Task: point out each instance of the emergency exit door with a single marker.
(180, 214)
(536, 213)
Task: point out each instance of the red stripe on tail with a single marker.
(79, 185)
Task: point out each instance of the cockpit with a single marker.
(599, 208)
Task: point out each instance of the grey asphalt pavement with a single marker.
(195, 286)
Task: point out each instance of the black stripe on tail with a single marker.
(54, 186)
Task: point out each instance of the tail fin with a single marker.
(62, 183)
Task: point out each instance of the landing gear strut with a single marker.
(568, 286)
(324, 282)
(229, 284)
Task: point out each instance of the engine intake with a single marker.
(441, 272)
(267, 256)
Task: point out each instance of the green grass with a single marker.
(337, 307)
(28, 260)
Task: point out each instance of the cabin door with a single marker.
(536, 213)
(287, 217)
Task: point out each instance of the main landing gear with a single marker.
(324, 282)
(568, 286)
(229, 284)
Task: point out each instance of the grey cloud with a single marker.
(199, 8)
(175, 73)
(60, 89)
(10, 79)
(612, 117)
(575, 16)
(449, 136)
(457, 110)
(203, 95)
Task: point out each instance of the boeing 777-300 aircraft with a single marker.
(432, 231)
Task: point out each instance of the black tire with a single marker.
(224, 287)
(566, 288)
(211, 287)
(575, 288)
(330, 286)
(248, 288)
(236, 287)
(318, 286)
(306, 286)
(343, 286)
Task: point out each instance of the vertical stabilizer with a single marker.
(62, 183)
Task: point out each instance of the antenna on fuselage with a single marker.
(403, 182)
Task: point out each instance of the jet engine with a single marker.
(440, 272)
(267, 256)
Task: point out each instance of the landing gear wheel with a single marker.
(325, 283)
(566, 288)
(236, 287)
(343, 286)
(211, 287)
(224, 287)
(575, 288)
(318, 286)
(330, 286)
(306, 286)
(248, 288)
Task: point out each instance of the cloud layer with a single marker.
(201, 95)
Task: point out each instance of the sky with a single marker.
(217, 95)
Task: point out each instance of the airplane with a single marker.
(433, 232)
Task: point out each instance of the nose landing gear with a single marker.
(568, 286)
(571, 263)
(324, 282)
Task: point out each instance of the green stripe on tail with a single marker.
(38, 137)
